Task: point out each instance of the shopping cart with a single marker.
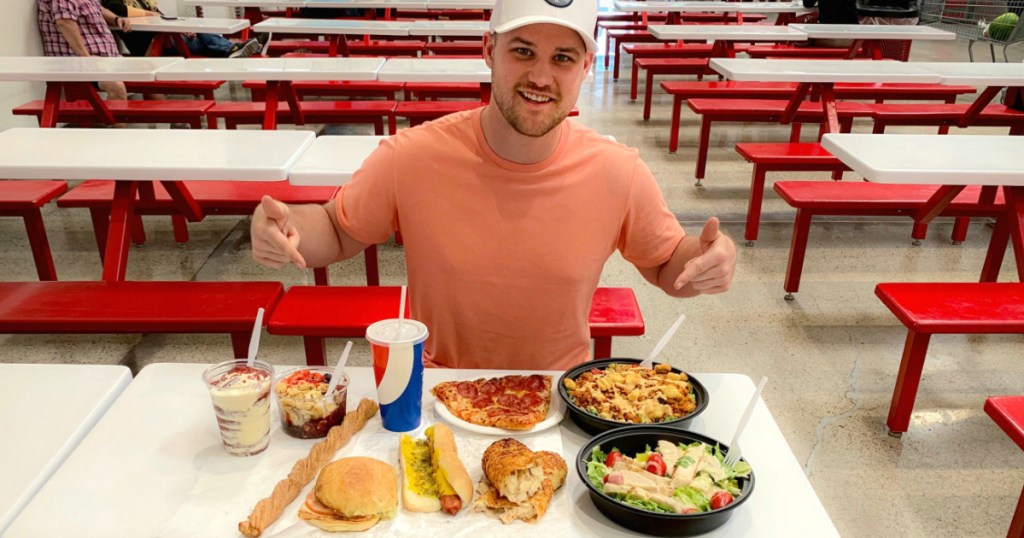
(969, 18)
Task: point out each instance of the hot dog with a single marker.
(433, 477)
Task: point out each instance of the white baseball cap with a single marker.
(579, 15)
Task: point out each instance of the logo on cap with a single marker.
(559, 3)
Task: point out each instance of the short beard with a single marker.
(509, 113)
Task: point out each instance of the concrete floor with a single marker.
(831, 355)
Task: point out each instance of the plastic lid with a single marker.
(386, 332)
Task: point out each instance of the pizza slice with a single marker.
(512, 402)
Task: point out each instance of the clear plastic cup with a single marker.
(241, 401)
(305, 411)
(397, 348)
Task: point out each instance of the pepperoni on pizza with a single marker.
(512, 402)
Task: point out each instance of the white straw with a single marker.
(401, 313)
(254, 342)
(649, 361)
(338, 372)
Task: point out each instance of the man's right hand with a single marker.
(275, 241)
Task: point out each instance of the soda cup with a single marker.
(397, 348)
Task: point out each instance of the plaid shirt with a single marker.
(87, 13)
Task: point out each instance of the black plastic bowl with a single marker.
(594, 424)
(635, 439)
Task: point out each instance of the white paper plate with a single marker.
(555, 413)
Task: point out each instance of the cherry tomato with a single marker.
(614, 457)
(656, 464)
(720, 499)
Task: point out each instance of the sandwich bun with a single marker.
(352, 494)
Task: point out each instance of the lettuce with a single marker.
(644, 504)
(694, 497)
(596, 468)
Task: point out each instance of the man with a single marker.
(508, 212)
(79, 28)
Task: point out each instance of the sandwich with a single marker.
(518, 482)
(352, 494)
(433, 477)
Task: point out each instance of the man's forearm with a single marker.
(73, 35)
(321, 241)
(666, 275)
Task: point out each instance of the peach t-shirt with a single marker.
(503, 258)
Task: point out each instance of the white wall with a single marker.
(20, 37)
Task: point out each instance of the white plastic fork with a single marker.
(734, 454)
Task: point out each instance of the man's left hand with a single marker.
(710, 272)
(124, 24)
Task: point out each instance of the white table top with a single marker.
(977, 74)
(332, 26)
(450, 28)
(931, 159)
(78, 69)
(199, 25)
(427, 70)
(355, 4)
(269, 4)
(160, 437)
(460, 4)
(331, 160)
(273, 69)
(45, 411)
(726, 32)
(873, 31)
(763, 70)
(150, 154)
(656, 6)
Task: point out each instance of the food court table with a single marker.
(331, 160)
(870, 36)
(154, 466)
(74, 76)
(440, 70)
(45, 411)
(724, 35)
(953, 162)
(174, 28)
(336, 30)
(786, 10)
(279, 73)
(144, 155)
(450, 28)
(819, 76)
(994, 76)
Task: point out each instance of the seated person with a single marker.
(903, 12)
(833, 12)
(138, 43)
(80, 28)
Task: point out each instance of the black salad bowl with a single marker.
(594, 424)
(636, 439)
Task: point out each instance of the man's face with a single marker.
(536, 72)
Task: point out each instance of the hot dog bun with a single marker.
(433, 476)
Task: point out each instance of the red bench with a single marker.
(316, 313)
(812, 198)
(945, 115)
(764, 111)
(686, 90)
(429, 91)
(665, 66)
(24, 199)
(214, 198)
(617, 38)
(944, 308)
(456, 48)
(775, 157)
(789, 51)
(198, 88)
(136, 307)
(168, 111)
(419, 112)
(644, 50)
(1008, 413)
(375, 113)
(330, 88)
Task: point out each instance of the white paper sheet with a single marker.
(227, 490)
